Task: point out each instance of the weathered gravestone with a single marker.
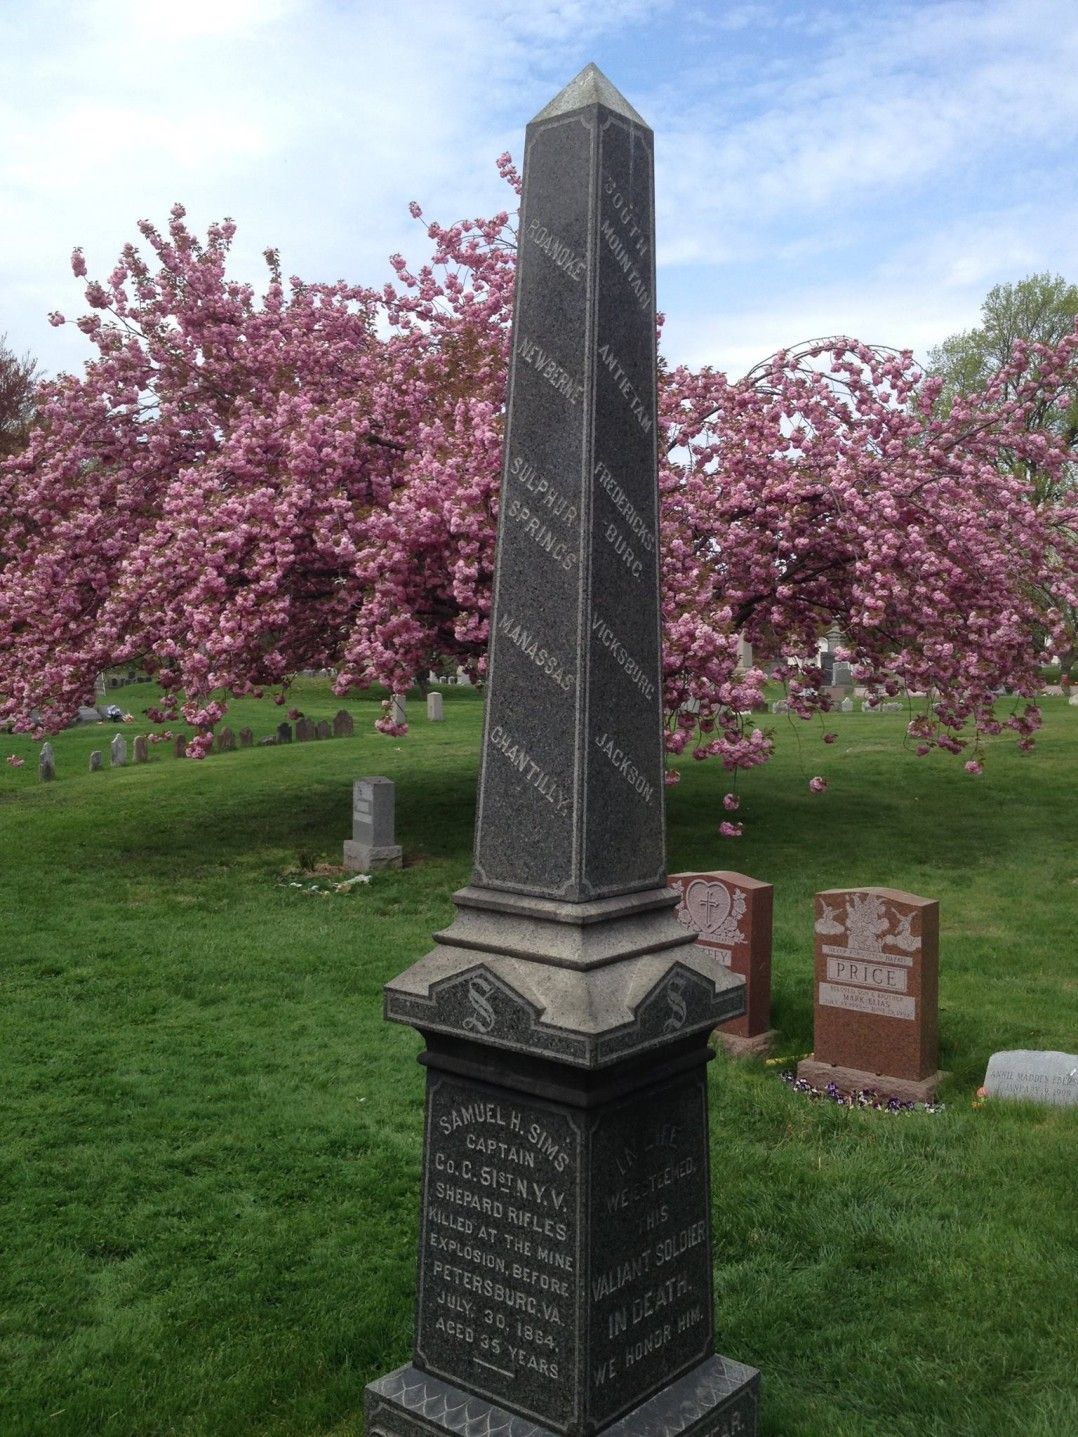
(730, 914)
(877, 982)
(435, 708)
(284, 733)
(247, 738)
(343, 727)
(304, 730)
(226, 741)
(323, 729)
(1033, 1075)
(398, 708)
(95, 761)
(141, 748)
(179, 745)
(372, 845)
(46, 764)
(565, 1234)
(118, 751)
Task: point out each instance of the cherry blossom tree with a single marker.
(237, 488)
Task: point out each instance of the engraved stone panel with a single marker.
(1035, 1076)
(500, 1247)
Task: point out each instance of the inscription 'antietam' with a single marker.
(545, 364)
(633, 671)
(540, 656)
(565, 258)
(556, 504)
(518, 756)
(624, 384)
(624, 764)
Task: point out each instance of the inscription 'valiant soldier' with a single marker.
(565, 1234)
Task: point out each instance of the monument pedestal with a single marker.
(758, 1046)
(856, 1080)
(565, 1232)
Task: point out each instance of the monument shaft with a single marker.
(572, 751)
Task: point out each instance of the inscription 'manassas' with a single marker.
(522, 761)
(542, 535)
(620, 501)
(626, 213)
(866, 1000)
(636, 675)
(545, 364)
(625, 766)
(529, 478)
(624, 384)
(565, 258)
(541, 657)
(625, 262)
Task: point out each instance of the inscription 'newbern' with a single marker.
(545, 364)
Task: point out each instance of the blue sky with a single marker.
(825, 167)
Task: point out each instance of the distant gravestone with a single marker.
(731, 917)
(247, 738)
(268, 742)
(179, 745)
(398, 708)
(118, 751)
(226, 741)
(1073, 700)
(1036, 1076)
(95, 761)
(88, 714)
(323, 729)
(284, 733)
(46, 764)
(877, 982)
(435, 708)
(142, 749)
(343, 727)
(372, 845)
(846, 706)
(780, 706)
(304, 730)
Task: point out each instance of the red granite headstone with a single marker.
(731, 917)
(876, 1000)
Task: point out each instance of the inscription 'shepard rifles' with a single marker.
(565, 1233)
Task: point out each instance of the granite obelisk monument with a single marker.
(565, 1236)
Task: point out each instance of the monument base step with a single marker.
(736, 1046)
(720, 1398)
(363, 858)
(853, 1080)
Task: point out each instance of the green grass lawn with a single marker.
(210, 1158)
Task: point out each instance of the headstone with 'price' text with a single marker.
(565, 1251)
(877, 985)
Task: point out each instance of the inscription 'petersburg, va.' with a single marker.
(565, 258)
(625, 766)
(544, 362)
(522, 761)
(531, 648)
(623, 382)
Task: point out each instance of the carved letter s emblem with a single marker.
(675, 996)
(482, 1017)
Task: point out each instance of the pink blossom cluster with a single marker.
(238, 487)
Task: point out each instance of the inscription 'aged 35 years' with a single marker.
(500, 1251)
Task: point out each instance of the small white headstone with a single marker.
(118, 751)
(846, 706)
(1038, 1076)
(435, 708)
(399, 708)
(46, 764)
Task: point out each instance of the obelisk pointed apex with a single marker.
(590, 87)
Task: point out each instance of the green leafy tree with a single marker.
(1040, 310)
(18, 381)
